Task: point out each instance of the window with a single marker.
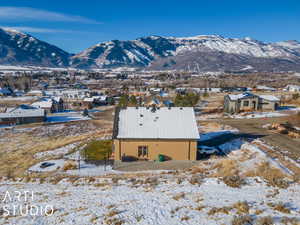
(246, 103)
(143, 151)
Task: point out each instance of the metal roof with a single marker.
(241, 96)
(271, 98)
(23, 113)
(163, 123)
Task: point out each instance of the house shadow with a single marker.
(288, 107)
(223, 144)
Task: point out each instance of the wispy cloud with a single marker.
(45, 30)
(38, 30)
(24, 13)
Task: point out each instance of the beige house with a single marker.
(147, 132)
(250, 102)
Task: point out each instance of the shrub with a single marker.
(295, 96)
(214, 210)
(187, 100)
(226, 167)
(185, 218)
(242, 207)
(195, 180)
(97, 150)
(69, 165)
(234, 181)
(153, 181)
(112, 213)
(242, 220)
(290, 221)
(280, 207)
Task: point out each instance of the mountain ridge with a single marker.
(202, 52)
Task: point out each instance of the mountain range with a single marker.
(200, 53)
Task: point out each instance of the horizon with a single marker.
(75, 27)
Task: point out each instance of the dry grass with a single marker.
(215, 210)
(273, 176)
(258, 211)
(234, 181)
(185, 218)
(196, 180)
(199, 208)
(242, 220)
(69, 165)
(112, 213)
(198, 170)
(113, 221)
(17, 155)
(266, 220)
(281, 157)
(226, 167)
(290, 221)
(280, 207)
(241, 207)
(179, 196)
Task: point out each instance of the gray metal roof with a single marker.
(23, 113)
(164, 123)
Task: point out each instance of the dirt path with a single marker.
(289, 146)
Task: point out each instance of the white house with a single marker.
(292, 88)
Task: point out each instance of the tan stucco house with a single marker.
(146, 132)
(250, 102)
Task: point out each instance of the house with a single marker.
(35, 93)
(147, 132)
(249, 102)
(264, 88)
(69, 94)
(50, 105)
(95, 100)
(292, 88)
(21, 115)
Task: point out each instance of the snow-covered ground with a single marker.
(160, 200)
(66, 117)
(284, 111)
(55, 165)
(56, 152)
(258, 115)
(94, 195)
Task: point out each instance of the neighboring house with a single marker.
(292, 88)
(21, 115)
(50, 105)
(35, 93)
(249, 102)
(264, 88)
(5, 92)
(95, 100)
(70, 94)
(147, 132)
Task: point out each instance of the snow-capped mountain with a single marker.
(140, 52)
(201, 53)
(17, 48)
(207, 52)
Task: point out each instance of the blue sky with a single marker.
(76, 25)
